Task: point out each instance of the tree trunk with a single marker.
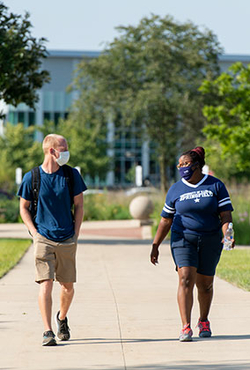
(163, 174)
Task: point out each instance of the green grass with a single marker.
(234, 267)
(11, 250)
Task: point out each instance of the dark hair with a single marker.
(197, 155)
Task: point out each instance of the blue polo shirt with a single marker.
(53, 219)
(195, 208)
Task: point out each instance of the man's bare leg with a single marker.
(45, 302)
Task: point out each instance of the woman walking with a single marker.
(198, 210)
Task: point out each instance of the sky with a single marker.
(91, 24)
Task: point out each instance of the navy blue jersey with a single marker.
(195, 208)
(53, 219)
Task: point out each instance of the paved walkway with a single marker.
(124, 314)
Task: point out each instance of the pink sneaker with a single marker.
(204, 327)
(186, 334)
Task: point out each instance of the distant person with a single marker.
(55, 230)
(146, 182)
(197, 208)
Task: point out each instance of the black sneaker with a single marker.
(49, 338)
(62, 328)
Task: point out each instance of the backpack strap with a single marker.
(69, 177)
(36, 181)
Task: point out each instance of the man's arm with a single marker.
(78, 212)
(26, 215)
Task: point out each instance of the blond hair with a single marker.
(51, 141)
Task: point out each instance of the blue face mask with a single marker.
(186, 172)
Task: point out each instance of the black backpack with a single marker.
(36, 180)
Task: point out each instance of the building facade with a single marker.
(128, 147)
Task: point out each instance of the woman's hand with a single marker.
(226, 218)
(162, 231)
(154, 254)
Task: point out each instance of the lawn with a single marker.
(234, 267)
(11, 250)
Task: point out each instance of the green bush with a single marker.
(9, 210)
(106, 206)
(240, 197)
(156, 215)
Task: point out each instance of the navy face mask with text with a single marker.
(187, 172)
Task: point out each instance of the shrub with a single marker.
(241, 215)
(9, 210)
(106, 206)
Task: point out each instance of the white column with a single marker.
(110, 178)
(75, 63)
(39, 116)
(145, 158)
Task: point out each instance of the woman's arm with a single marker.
(162, 231)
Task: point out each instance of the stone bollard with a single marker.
(140, 208)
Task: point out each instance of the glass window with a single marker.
(128, 135)
(12, 117)
(117, 171)
(31, 118)
(152, 167)
(118, 144)
(57, 117)
(138, 144)
(46, 116)
(128, 145)
(20, 117)
(129, 171)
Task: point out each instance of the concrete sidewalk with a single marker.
(124, 314)
(121, 229)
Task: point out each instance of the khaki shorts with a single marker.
(55, 260)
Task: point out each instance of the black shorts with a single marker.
(202, 252)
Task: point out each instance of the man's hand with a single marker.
(26, 216)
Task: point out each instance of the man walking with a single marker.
(55, 230)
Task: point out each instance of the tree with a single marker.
(86, 136)
(87, 148)
(151, 74)
(229, 118)
(20, 60)
(17, 149)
